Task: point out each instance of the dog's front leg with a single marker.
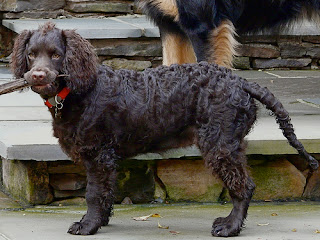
(101, 178)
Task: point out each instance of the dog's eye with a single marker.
(31, 55)
(55, 56)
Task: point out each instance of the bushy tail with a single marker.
(282, 118)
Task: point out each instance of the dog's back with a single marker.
(149, 107)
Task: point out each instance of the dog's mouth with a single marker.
(39, 88)
(49, 89)
(47, 86)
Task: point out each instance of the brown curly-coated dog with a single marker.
(101, 115)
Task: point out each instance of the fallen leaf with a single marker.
(274, 214)
(317, 231)
(174, 232)
(294, 230)
(143, 218)
(263, 224)
(162, 227)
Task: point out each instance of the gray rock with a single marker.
(277, 179)
(311, 39)
(27, 181)
(121, 63)
(34, 14)
(188, 180)
(76, 201)
(136, 181)
(100, 6)
(131, 49)
(294, 49)
(20, 5)
(67, 181)
(259, 50)
(281, 63)
(257, 39)
(59, 167)
(241, 62)
(69, 194)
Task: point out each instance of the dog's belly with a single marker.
(183, 139)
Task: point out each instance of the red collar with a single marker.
(57, 100)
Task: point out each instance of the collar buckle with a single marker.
(57, 101)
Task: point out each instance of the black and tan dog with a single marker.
(101, 115)
(208, 27)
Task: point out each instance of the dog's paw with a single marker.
(83, 228)
(226, 227)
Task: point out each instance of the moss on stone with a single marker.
(277, 179)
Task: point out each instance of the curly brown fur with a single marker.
(111, 115)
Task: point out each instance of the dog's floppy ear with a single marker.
(80, 62)
(18, 58)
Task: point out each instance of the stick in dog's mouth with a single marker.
(18, 84)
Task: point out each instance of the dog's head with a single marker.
(50, 59)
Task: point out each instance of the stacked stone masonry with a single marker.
(256, 51)
(281, 177)
(284, 177)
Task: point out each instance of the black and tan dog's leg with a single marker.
(216, 45)
(223, 45)
(101, 178)
(176, 48)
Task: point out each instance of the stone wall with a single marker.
(288, 52)
(64, 8)
(256, 52)
(282, 177)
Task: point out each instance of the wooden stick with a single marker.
(18, 84)
(13, 86)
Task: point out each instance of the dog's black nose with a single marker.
(38, 75)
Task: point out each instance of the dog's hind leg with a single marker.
(101, 178)
(223, 152)
(232, 170)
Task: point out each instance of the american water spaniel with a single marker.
(101, 115)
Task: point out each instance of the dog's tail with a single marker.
(282, 117)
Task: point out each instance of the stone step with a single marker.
(33, 140)
(26, 132)
(131, 26)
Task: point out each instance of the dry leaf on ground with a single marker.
(145, 218)
(263, 224)
(162, 227)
